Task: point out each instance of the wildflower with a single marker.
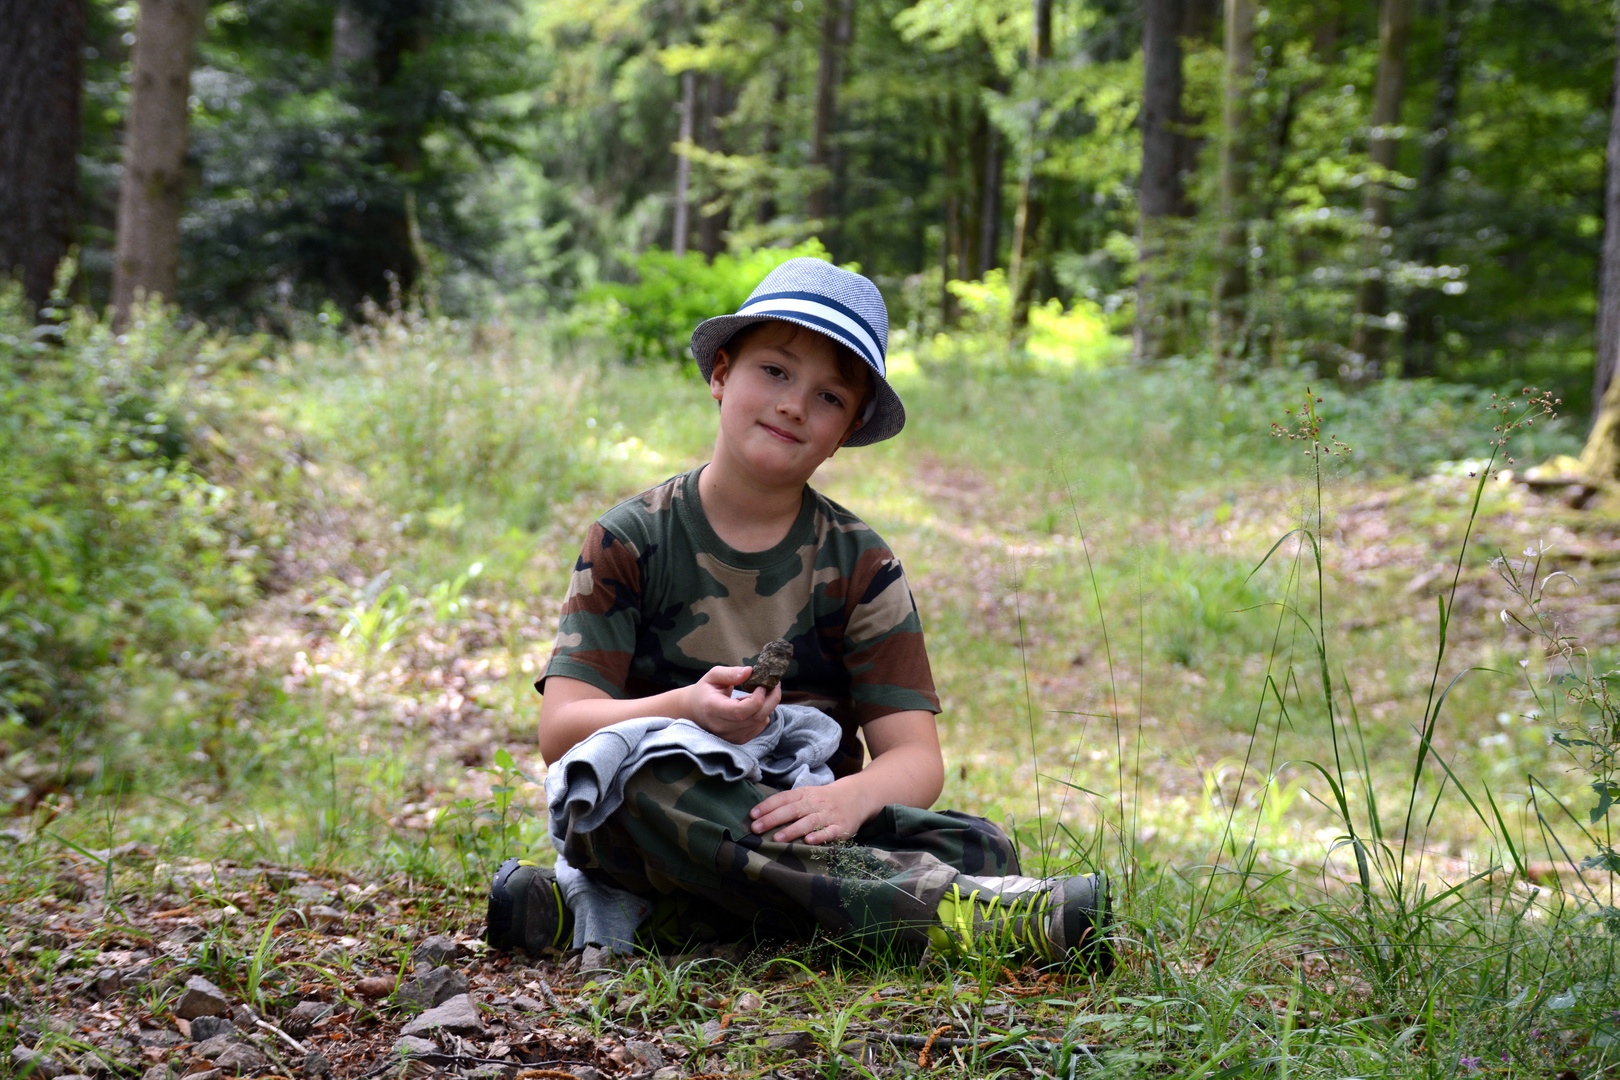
(1471, 1064)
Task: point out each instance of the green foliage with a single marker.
(112, 545)
(652, 319)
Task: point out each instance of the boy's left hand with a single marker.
(817, 815)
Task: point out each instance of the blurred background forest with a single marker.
(282, 555)
(1410, 187)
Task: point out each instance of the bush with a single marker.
(111, 543)
(653, 318)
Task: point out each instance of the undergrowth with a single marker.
(159, 481)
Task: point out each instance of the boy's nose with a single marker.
(792, 404)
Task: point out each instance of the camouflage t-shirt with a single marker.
(657, 599)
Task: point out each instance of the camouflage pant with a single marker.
(684, 839)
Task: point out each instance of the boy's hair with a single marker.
(851, 368)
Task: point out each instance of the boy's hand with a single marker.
(711, 707)
(818, 815)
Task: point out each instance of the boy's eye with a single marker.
(773, 371)
(832, 399)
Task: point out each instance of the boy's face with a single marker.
(784, 406)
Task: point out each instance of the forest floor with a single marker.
(335, 916)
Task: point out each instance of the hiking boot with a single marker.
(527, 910)
(1050, 919)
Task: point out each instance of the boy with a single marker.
(679, 584)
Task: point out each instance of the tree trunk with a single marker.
(1027, 216)
(1160, 196)
(683, 164)
(1422, 313)
(1600, 460)
(770, 137)
(990, 204)
(1369, 338)
(837, 30)
(378, 248)
(1608, 317)
(41, 84)
(949, 255)
(712, 227)
(1232, 281)
(151, 194)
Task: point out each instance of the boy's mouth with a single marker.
(785, 436)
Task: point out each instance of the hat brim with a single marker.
(887, 415)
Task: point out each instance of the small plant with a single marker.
(378, 616)
(1576, 696)
(501, 824)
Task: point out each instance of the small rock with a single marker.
(73, 1076)
(527, 1003)
(769, 668)
(375, 987)
(301, 1021)
(747, 1002)
(668, 1072)
(793, 1042)
(315, 1064)
(205, 1028)
(324, 918)
(206, 1074)
(108, 982)
(156, 1072)
(584, 1072)
(595, 958)
(710, 1030)
(458, 1015)
(411, 1044)
(26, 1062)
(187, 933)
(202, 998)
(437, 950)
(491, 1072)
(645, 1054)
(239, 1058)
(433, 986)
(245, 1018)
(211, 1048)
(68, 887)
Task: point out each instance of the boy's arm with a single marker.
(906, 768)
(573, 709)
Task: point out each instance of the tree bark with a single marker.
(1232, 281)
(1027, 216)
(712, 227)
(837, 30)
(949, 253)
(152, 192)
(770, 137)
(1600, 459)
(1160, 196)
(1608, 315)
(1422, 313)
(1369, 337)
(683, 164)
(41, 87)
(378, 245)
(990, 204)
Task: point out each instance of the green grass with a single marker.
(1128, 678)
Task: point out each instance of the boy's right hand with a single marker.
(710, 706)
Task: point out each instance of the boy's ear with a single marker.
(718, 373)
(854, 426)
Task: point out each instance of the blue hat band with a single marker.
(834, 319)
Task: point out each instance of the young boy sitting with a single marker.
(676, 589)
